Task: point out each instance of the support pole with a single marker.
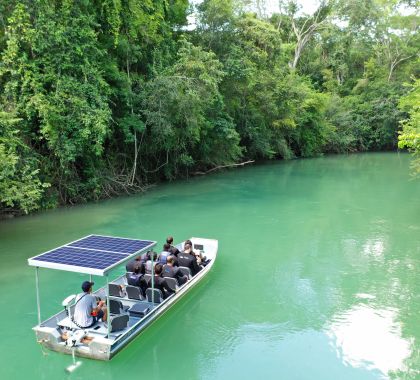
(90, 278)
(37, 295)
(108, 318)
(153, 279)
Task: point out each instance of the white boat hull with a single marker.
(49, 333)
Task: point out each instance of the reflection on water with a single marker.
(370, 338)
(374, 248)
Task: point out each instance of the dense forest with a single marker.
(100, 98)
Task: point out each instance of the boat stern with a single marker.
(51, 338)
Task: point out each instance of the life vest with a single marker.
(163, 257)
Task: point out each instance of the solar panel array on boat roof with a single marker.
(111, 244)
(92, 254)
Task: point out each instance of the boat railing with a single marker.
(159, 306)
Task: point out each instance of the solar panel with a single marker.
(111, 244)
(93, 254)
(81, 257)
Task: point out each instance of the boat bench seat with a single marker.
(147, 277)
(119, 322)
(115, 290)
(172, 283)
(139, 309)
(117, 307)
(154, 295)
(134, 293)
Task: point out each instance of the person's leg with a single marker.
(101, 315)
(182, 280)
(143, 286)
(95, 319)
(105, 314)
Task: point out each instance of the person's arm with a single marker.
(96, 305)
(101, 304)
(178, 274)
(196, 267)
(181, 278)
(166, 287)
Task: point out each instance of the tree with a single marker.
(104, 97)
(21, 188)
(54, 82)
(410, 136)
(185, 117)
(304, 27)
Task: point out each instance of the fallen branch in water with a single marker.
(223, 167)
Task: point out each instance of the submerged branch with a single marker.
(223, 167)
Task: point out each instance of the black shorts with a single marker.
(97, 317)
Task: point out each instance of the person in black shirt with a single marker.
(137, 278)
(132, 264)
(187, 259)
(172, 249)
(170, 270)
(160, 283)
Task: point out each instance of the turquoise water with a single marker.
(317, 275)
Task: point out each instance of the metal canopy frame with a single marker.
(90, 271)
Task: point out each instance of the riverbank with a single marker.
(145, 188)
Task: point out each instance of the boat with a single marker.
(97, 255)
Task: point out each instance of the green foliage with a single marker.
(363, 65)
(278, 113)
(103, 97)
(368, 118)
(53, 81)
(410, 135)
(185, 114)
(20, 185)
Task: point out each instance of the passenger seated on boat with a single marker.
(133, 263)
(173, 250)
(88, 310)
(145, 257)
(164, 254)
(187, 259)
(170, 270)
(197, 256)
(188, 242)
(136, 278)
(160, 282)
(201, 260)
(148, 265)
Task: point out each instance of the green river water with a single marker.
(317, 277)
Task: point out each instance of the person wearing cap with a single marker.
(88, 310)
